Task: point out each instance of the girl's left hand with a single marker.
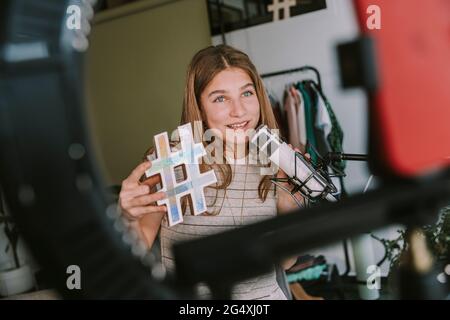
(285, 202)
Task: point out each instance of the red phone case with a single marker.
(412, 105)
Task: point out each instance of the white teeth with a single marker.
(238, 125)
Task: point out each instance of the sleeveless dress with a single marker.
(235, 206)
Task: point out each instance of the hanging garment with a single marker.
(336, 136)
(301, 122)
(335, 140)
(322, 125)
(323, 121)
(308, 99)
(291, 115)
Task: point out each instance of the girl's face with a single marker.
(230, 102)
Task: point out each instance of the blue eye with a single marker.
(220, 99)
(247, 93)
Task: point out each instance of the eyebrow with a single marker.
(248, 85)
(224, 91)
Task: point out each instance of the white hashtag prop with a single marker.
(284, 5)
(195, 181)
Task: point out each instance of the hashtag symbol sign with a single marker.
(278, 5)
(195, 181)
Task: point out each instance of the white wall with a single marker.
(310, 39)
(136, 68)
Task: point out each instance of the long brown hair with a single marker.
(205, 65)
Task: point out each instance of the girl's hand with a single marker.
(285, 201)
(136, 198)
(137, 201)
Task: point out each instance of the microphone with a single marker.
(311, 182)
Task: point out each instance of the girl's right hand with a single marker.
(138, 199)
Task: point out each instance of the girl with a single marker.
(225, 93)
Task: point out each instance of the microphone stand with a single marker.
(339, 156)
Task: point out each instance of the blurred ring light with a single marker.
(47, 169)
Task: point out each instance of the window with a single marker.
(238, 14)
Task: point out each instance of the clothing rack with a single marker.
(301, 69)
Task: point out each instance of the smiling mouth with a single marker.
(237, 126)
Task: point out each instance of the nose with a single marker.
(237, 109)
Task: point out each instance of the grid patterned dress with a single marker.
(238, 205)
